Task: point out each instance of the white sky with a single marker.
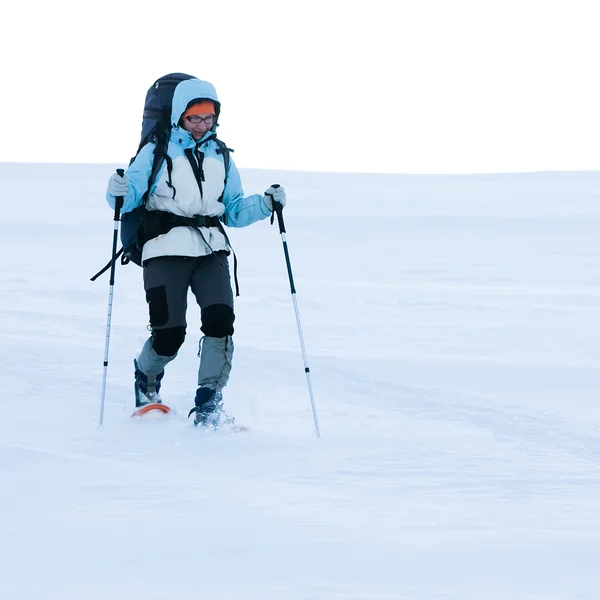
(420, 86)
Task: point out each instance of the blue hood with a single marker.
(189, 90)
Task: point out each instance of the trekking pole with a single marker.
(278, 210)
(118, 206)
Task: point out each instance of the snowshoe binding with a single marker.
(208, 411)
(147, 393)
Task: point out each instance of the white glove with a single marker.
(117, 185)
(274, 193)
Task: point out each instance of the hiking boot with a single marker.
(207, 412)
(146, 388)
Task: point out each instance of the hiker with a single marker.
(196, 190)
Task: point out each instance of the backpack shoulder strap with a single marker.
(225, 151)
(161, 145)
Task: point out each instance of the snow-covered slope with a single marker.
(452, 325)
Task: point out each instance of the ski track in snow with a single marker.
(454, 353)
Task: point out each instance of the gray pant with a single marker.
(166, 282)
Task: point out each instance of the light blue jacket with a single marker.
(239, 210)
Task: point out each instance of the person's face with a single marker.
(198, 125)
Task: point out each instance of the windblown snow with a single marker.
(452, 327)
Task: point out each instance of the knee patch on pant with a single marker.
(157, 303)
(166, 342)
(217, 320)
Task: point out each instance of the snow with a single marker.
(453, 333)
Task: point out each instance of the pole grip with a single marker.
(119, 199)
(277, 210)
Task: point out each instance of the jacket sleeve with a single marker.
(138, 174)
(241, 210)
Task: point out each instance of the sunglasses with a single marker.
(196, 120)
